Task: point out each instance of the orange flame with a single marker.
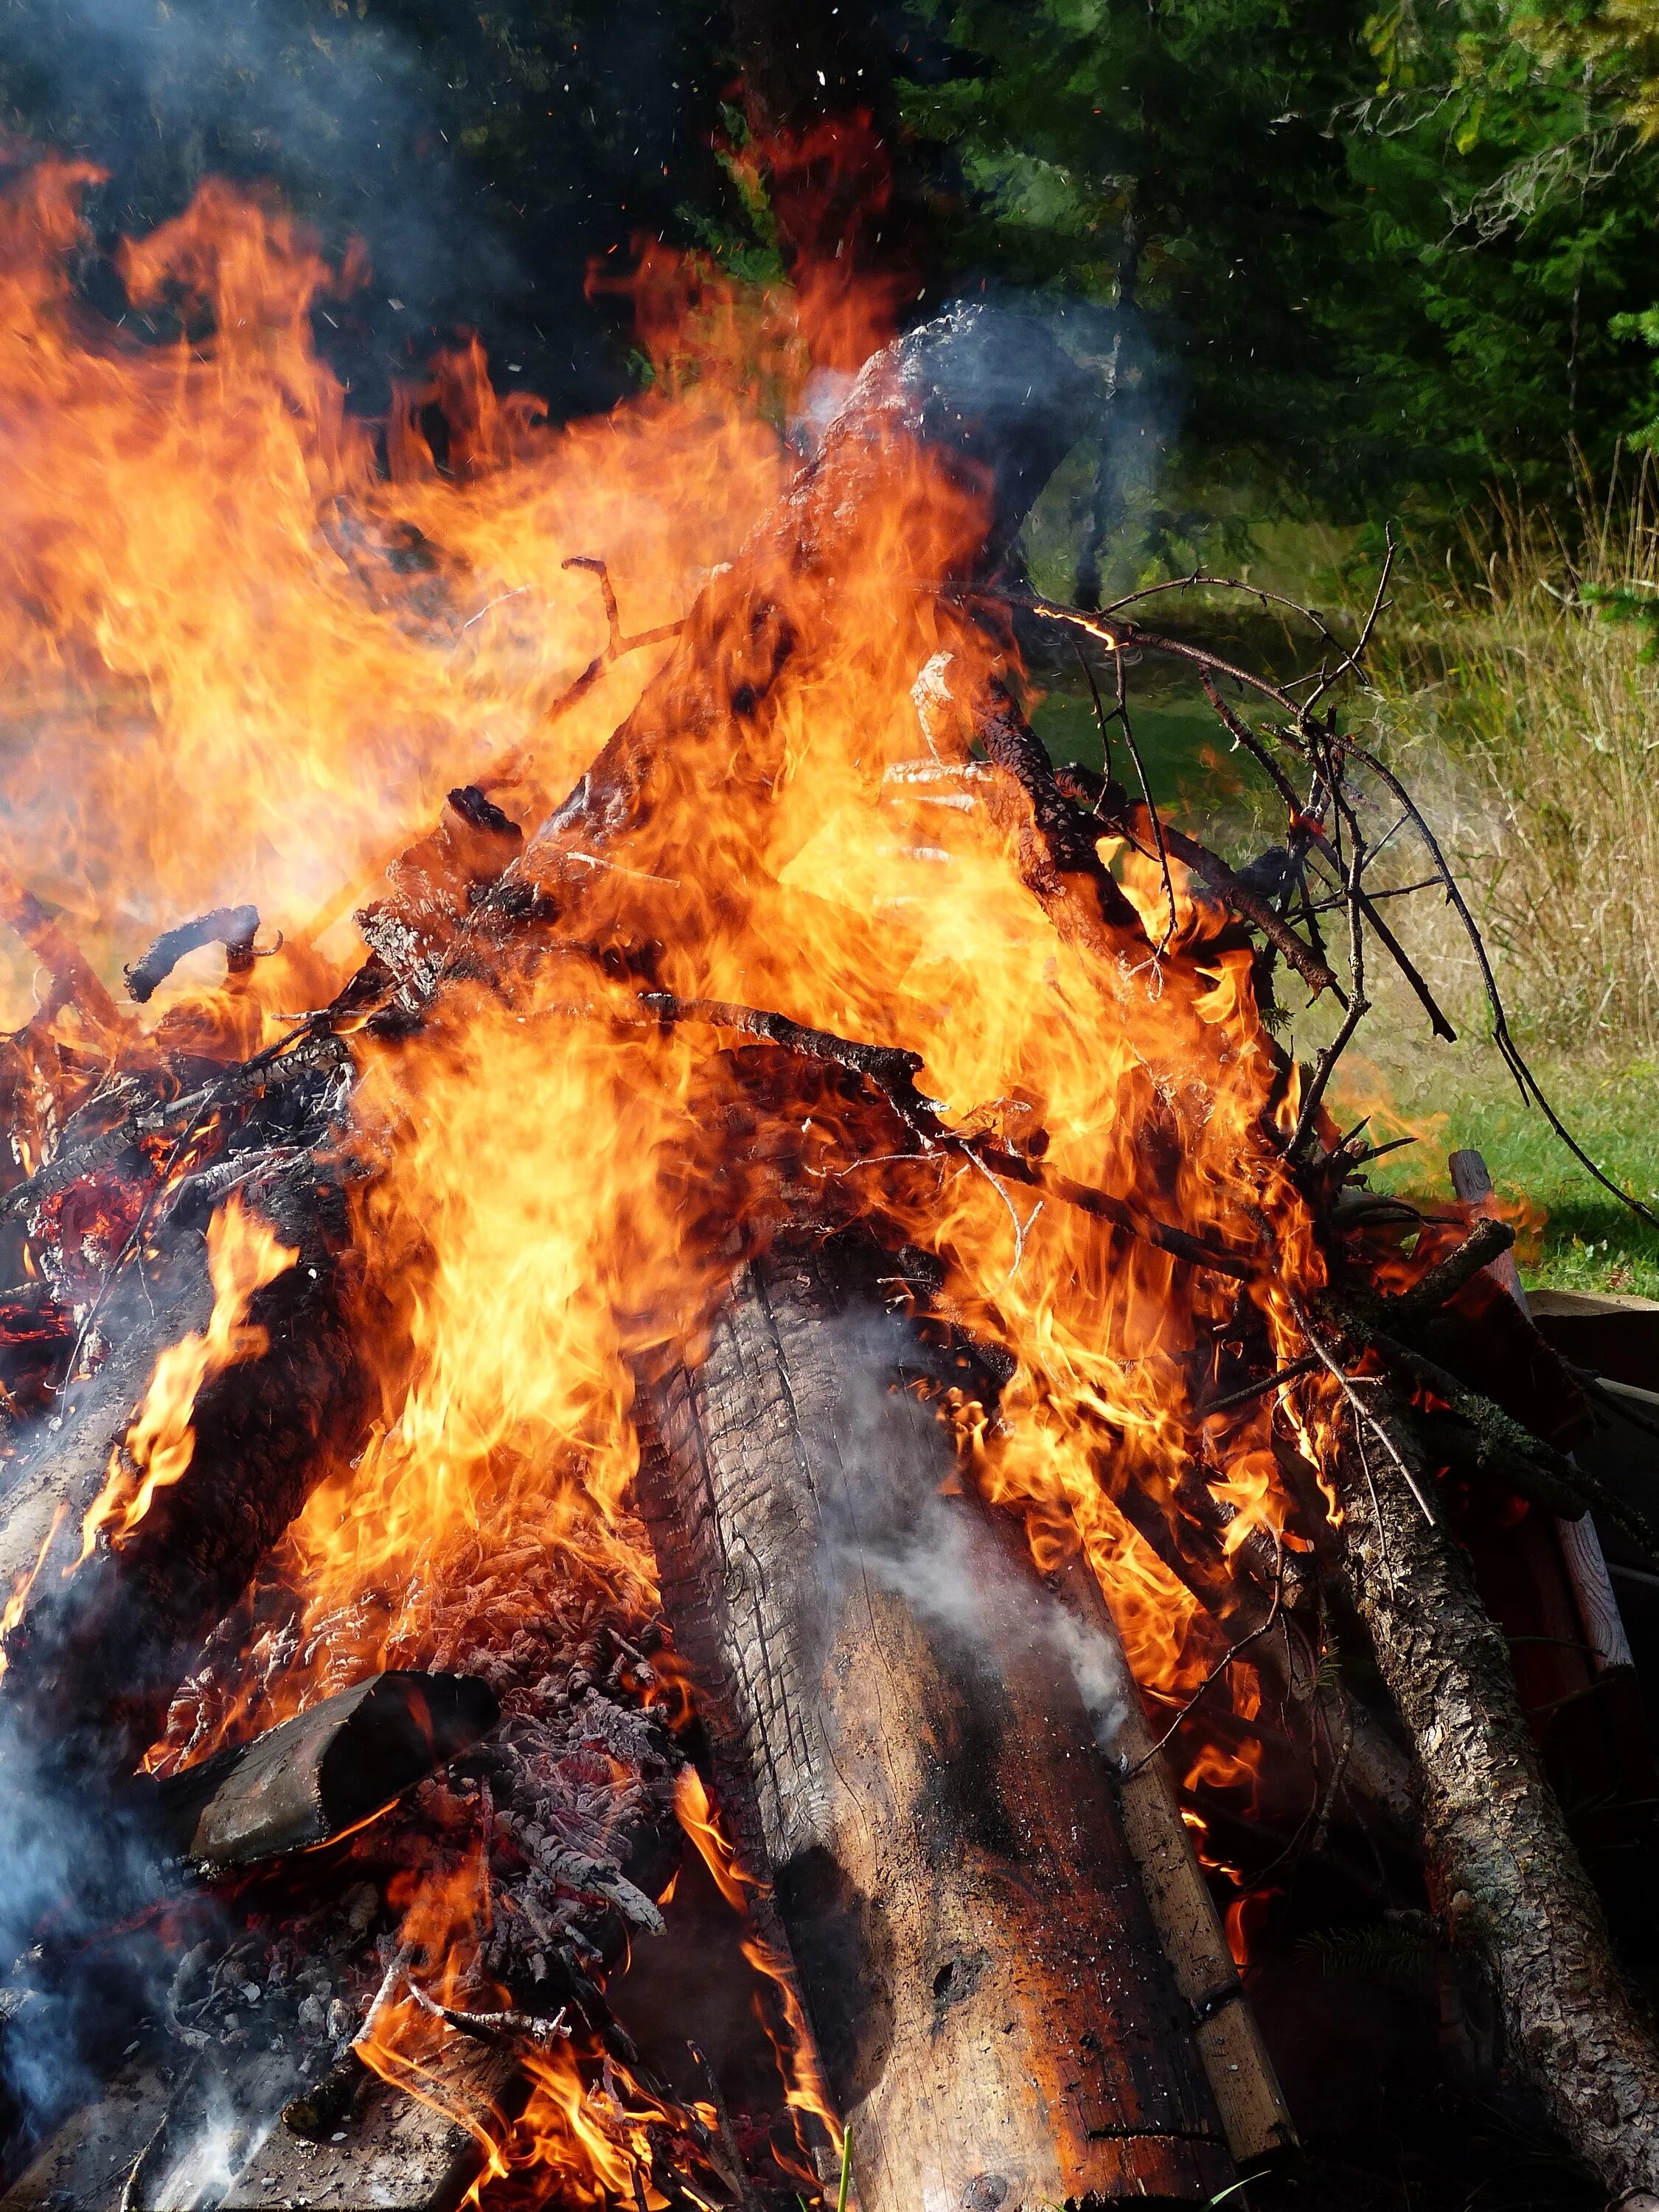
(796, 2047)
(243, 1256)
(241, 657)
(24, 1582)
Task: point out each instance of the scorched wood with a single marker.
(94, 1650)
(904, 1745)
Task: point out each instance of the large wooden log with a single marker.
(905, 1747)
(1504, 1874)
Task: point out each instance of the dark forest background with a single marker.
(1352, 261)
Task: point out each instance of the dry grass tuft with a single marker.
(1528, 721)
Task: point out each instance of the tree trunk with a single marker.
(1503, 1871)
(904, 1726)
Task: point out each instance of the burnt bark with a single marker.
(904, 1746)
(1503, 1873)
(94, 1651)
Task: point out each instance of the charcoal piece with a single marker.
(232, 927)
(324, 1772)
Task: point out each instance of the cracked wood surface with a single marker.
(900, 1744)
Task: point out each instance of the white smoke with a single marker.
(890, 1521)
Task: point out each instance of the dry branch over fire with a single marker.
(726, 1291)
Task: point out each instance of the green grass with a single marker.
(1461, 1097)
(1172, 734)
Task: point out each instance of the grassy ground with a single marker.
(1574, 1235)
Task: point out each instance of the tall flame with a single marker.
(243, 1255)
(250, 657)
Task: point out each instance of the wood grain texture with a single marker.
(901, 1743)
(1242, 2080)
(1503, 1871)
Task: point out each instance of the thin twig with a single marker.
(1197, 581)
(1358, 1007)
(1361, 1413)
(1213, 1676)
(1158, 838)
(494, 2026)
(1306, 1365)
(1351, 661)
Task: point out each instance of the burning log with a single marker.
(981, 406)
(904, 1739)
(321, 1774)
(1240, 2074)
(963, 1847)
(139, 1514)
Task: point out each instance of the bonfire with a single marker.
(708, 1447)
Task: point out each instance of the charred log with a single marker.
(234, 926)
(144, 2145)
(96, 1645)
(911, 1763)
(324, 1772)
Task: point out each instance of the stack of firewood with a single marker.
(986, 1948)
